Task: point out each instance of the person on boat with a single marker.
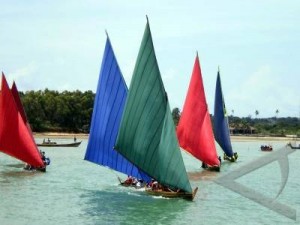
(154, 185)
(43, 155)
(139, 184)
(235, 155)
(204, 165)
(129, 180)
(150, 183)
(48, 140)
(28, 167)
(75, 139)
(44, 141)
(134, 181)
(45, 159)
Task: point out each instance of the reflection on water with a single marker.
(18, 174)
(15, 165)
(202, 175)
(14, 171)
(128, 206)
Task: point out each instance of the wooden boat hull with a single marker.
(232, 158)
(211, 168)
(293, 147)
(75, 144)
(169, 194)
(42, 169)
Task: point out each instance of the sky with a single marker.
(59, 45)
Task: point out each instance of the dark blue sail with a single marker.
(108, 108)
(221, 127)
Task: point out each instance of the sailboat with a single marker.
(15, 93)
(107, 111)
(16, 137)
(194, 129)
(293, 146)
(147, 134)
(221, 126)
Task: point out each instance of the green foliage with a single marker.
(279, 126)
(71, 112)
(263, 126)
(53, 111)
(269, 126)
(176, 115)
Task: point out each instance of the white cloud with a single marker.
(264, 91)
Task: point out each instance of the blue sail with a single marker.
(108, 108)
(221, 127)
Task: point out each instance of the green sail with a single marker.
(147, 134)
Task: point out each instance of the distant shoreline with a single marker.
(60, 135)
(234, 138)
(242, 138)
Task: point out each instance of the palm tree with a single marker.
(256, 113)
(231, 120)
(277, 111)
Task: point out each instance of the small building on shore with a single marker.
(241, 129)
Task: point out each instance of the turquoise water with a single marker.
(74, 191)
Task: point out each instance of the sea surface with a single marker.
(75, 191)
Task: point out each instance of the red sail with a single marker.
(15, 93)
(18, 102)
(194, 130)
(15, 138)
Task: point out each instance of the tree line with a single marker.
(58, 111)
(272, 126)
(71, 111)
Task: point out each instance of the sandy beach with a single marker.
(234, 138)
(60, 135)
(241, 138)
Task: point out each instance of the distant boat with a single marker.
(221, 126)
(147, 135)
(194, 130)
(293, 147)
(55, 144)
(107, 112)
(16, 138)
(267, 148)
